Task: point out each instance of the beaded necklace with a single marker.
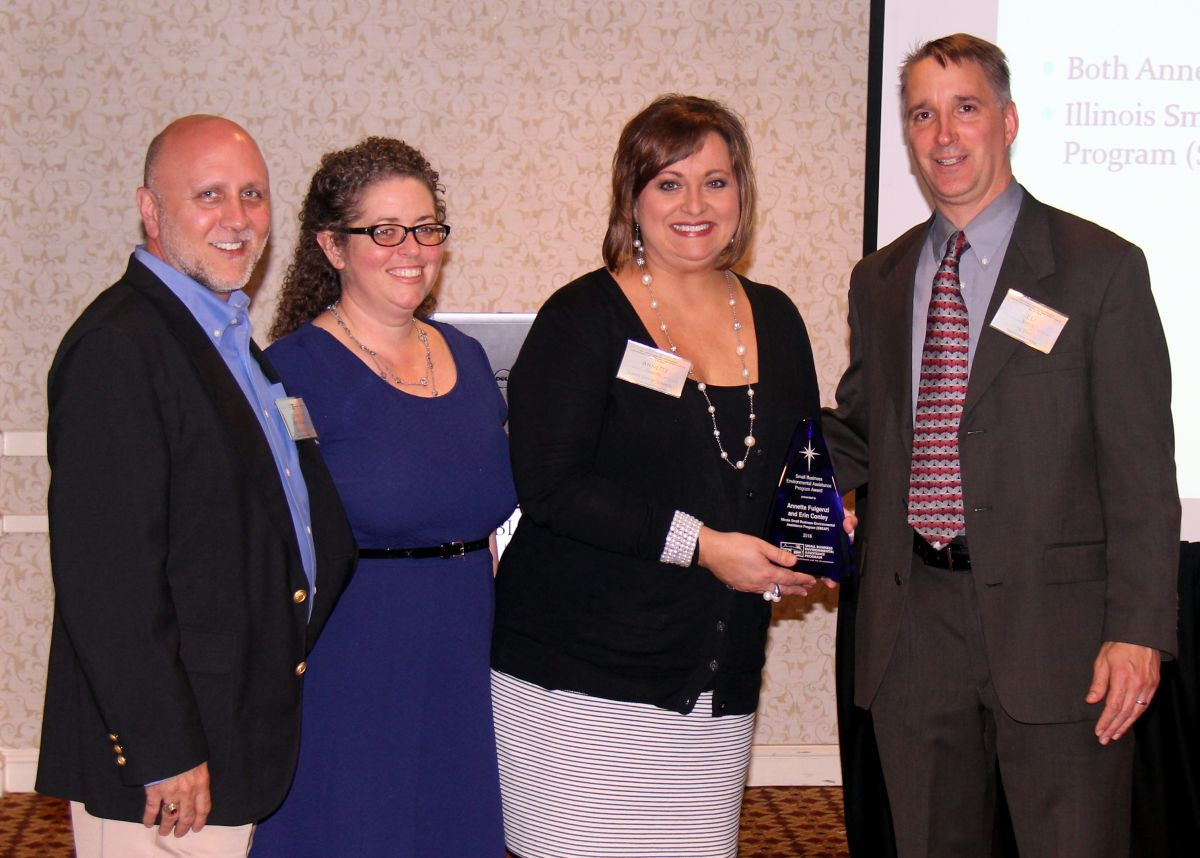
(385, 371)
(639, 257)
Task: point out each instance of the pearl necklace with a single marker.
(639, 257)
(385, 371)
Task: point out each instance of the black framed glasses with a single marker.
(392, 234)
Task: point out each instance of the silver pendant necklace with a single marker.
(385, 372)
(639, 257)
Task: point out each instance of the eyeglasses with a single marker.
(392, 234)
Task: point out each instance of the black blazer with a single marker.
(1067, 461)
(180, 623)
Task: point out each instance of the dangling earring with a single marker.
(639, 255)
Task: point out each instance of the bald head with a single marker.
(183, 128)
(205, 202)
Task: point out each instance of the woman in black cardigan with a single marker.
(650, 412)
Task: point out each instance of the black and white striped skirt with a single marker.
(582, 776)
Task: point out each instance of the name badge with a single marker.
(295, 416)
(1029, 321)
(654, 368)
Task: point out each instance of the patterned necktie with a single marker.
(935, 498)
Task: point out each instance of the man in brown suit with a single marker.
(1027, 636)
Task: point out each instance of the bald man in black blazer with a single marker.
(193, 563)
(1029, 639)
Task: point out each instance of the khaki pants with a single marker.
(110, 838)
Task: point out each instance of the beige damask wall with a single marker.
(517, 102)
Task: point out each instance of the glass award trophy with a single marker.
(806, 518)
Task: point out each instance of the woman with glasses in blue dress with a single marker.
(397, 755)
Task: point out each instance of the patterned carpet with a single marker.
(777, 822)
(31, 825)
(793, 822)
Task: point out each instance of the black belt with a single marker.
(445, 550)
(956, 556)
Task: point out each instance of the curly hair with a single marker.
(670, 129)
(334, 199)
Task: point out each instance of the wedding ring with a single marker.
(1140, 702)
(772, 595)
(172, 809)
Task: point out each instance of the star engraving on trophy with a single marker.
(809, 454)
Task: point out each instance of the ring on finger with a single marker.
(772, 595)
(172, 808)
(1140, 702)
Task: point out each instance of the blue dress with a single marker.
(398, 754)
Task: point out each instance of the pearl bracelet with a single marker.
(680, 547)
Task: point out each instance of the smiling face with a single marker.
(689, 211)
(389, 283)
(958, 134)
(206, 208)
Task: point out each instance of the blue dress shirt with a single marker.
(227, 324)
(978, 270)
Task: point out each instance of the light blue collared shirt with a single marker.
(978, 270)
(227, 324)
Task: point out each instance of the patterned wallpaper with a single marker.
(517, 102)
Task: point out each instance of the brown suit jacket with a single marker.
(1067, 458)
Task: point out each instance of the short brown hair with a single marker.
(333, 200)
(962, 48)
(669, 130)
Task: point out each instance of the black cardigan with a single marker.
(582, 602)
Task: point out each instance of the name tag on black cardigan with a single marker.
(653, 368)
